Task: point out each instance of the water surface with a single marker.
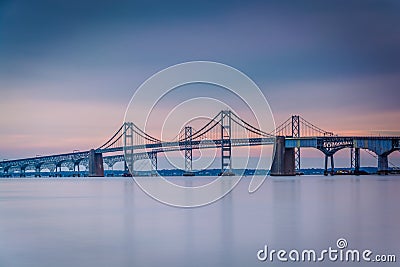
(111, 222)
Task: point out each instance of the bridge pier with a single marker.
(37, 174)
(96, 167)
(284, 159)
(58, 170)
(22, 174)
(383, 164)
(76, 166)
(356, 161)
(332, 171)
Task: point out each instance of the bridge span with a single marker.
(224, 131)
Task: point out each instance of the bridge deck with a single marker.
(379, 145)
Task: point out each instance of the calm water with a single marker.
(111, 222)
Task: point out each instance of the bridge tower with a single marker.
(153, 159)
(188, 151)
(128, 146)
(296, 133)
(226, 148)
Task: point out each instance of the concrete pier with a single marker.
(284, 159)
(332, 171)
(96, 167)
(383, 164)
(356, 161)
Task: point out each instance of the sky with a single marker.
(69, 68)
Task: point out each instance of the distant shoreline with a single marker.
(210, 172)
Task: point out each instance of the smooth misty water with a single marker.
(111, 222)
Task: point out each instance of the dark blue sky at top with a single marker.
(279, 40)
(322, 59)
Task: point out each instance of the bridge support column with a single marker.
(59, 171)
(326, 165)
(22, 174)
(52, 168)
(188, 151)
(110, 167)
(383, 164)
(332, 172)
(284, 159)
(76, 169)
(357, 161)
(96, 167)
(37, 174)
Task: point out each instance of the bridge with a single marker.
(224, 131)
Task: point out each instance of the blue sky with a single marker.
(68, 68)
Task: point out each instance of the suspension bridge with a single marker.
(224, 131)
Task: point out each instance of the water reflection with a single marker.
(227, 238)
(129, 222)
